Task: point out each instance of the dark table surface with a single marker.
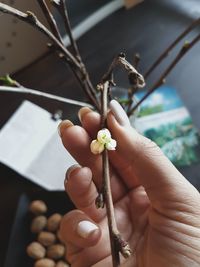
(146, 29)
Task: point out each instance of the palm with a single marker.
(163, 229)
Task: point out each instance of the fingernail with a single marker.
(85, 228)
(70, 170)
(82, 112)
(64, 125)
(119, 113)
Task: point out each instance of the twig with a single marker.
(25, 90)
(50, 19)
(64, 13)
(62, 9)
(186, 47)
(171, 46)
(106, 185)
(31, 19)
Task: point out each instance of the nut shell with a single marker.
(38, 224)
(53, 222)
(62, 264)
(38, 207)
(46, 238)
(45, 263)
(36, 251)
(56, 251)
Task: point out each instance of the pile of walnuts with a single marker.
(48, 249)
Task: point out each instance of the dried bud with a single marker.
(46, 238)
(45, 263)
(53, 222)
(56, 252)
(38, 224)
(38, 207)
(36, 251)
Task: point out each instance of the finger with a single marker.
(90, 121)
(82, 237)
(77, 141)
(162, 181)
(82, 191)
(77, 228)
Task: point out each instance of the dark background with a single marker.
(147, 29)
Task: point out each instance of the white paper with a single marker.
(30, 144)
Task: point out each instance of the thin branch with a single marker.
(64, 13)
(62, 9)
(50, 19)
(171, 46)
(106, 185)
(25, 90)
(31, 19)
(187, 46)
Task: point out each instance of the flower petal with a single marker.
(104, 136)
(96, 147)
(111, 145)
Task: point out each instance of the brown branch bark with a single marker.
(171, 46)
(76, 67)
(171, 66)
(50, 19)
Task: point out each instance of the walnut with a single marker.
(46, 238)
(56, 251)
(38, 224)
(62, 264)
(45, 263)
(38, 207)
(53, 222)
(36, 251)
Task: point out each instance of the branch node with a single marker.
(31, 17)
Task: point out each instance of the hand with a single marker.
(157, 209)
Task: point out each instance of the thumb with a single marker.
(161, 180)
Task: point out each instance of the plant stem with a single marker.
(160, 81)
(171, 46)
(50, 19)
(31, 19)
(25, 90)
(64, 13)
(62, 8)
(106, 185)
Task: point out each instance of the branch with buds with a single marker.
(104, 141)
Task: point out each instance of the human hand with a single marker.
(157, 209)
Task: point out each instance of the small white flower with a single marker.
(111, 145)
(104, 136)
(96, 147)
(103, 141)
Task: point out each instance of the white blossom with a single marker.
(111, 145)
(96, 147)
(103, 141)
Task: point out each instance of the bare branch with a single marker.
(171, 46)
(31, 19)
(25, 90)
(50, 19)
(186, 47)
